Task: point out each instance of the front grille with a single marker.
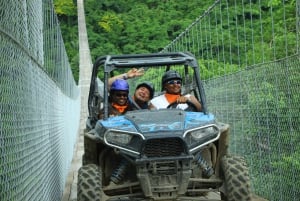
(164, 147)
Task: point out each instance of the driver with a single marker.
(171, 83)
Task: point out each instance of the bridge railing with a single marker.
(40, 103)
(249, 57)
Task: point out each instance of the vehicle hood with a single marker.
(146, 121)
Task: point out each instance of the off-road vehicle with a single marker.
(166, 154)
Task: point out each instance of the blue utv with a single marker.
(165, 154)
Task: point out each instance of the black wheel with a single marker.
(89, 187)
(237, 181)
(191, 106)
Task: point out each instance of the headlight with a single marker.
(119, 138)
(201, 133)
(198, 137)
(127, 141)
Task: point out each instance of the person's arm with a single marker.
(195, 101)
(192, 99)
(151, 107)
(134, 72)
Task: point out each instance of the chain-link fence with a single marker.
(249, 57)
(40, 103)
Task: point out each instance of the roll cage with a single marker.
(152, 60)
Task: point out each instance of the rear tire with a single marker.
(89, 187)
(237, 181)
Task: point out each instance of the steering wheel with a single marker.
(191, 106)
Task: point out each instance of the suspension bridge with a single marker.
(252, 81)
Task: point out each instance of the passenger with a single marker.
(143, 92)
(132, 73)
(171, 83)
(118, 99)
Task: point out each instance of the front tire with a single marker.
(237, 181)
(89, 187)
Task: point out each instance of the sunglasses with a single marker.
(174, 82)
(121, 94)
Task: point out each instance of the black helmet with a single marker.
(149, 86)
(170, 75)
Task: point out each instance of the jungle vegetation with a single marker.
(133, 26)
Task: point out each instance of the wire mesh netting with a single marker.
(264, 115)
(249, 57)
(40, 103)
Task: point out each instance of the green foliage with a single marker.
(128, 26)
(139, 27)
(274, 127)
(212, 68)
(65, 7)
(236, 35)
(288, 180)
(263, 104)
(67, 15)
(111, 23)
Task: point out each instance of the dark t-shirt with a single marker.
(135, 106)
